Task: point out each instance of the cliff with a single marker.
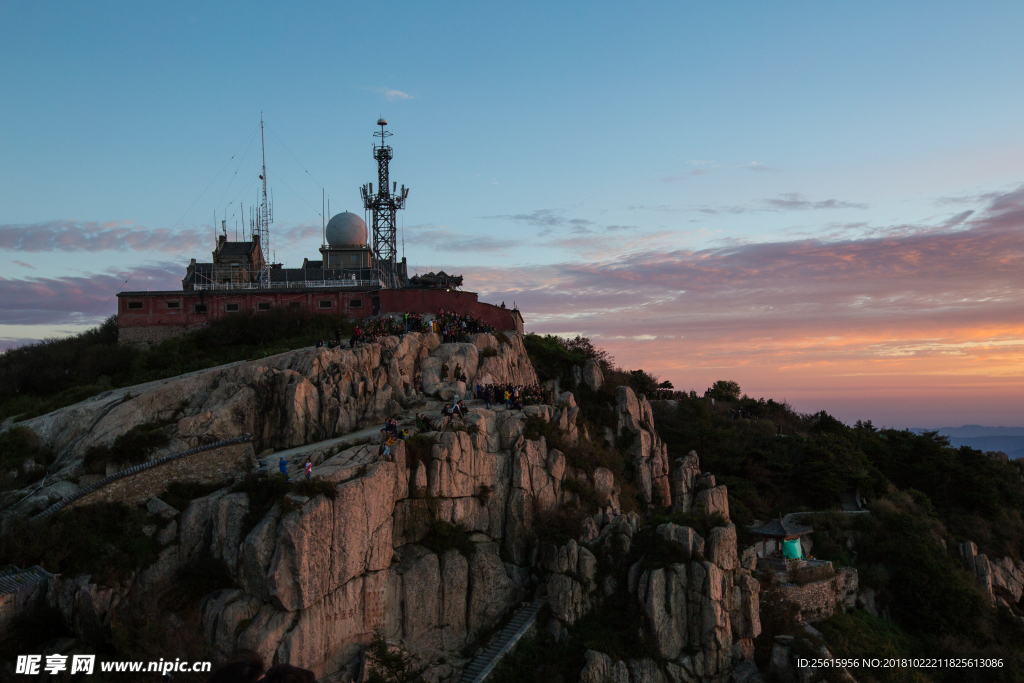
(434, 543)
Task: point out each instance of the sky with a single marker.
(824, 203)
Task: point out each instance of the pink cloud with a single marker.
(90, 236)
(79, 299)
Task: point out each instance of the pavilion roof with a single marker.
(777, 528)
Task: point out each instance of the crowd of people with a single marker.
(454, 327)
(449, 325)
(513, 397)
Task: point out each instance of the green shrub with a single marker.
(858, 634)
(132, 447)
(318, 486)
(443, 536)
(194, 581)
(559, 524)
(180, 493)
(18, 445)
(104, 540)
(725, 390)
(392, 666)
(553, 357)
(263, 493)
(42, 377)
(536, 427)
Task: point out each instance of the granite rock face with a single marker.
(315, 577)
(701, 611)
(649, 454)
(284, 401)
(1003, 579)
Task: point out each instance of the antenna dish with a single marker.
(382, 122)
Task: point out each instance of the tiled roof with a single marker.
(779, 528)
(237, 248)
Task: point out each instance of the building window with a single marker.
(326, 304)
(355, 303)
(134, 305)
(200, 308)
(173, 304)
(231, 308)
(295, 305)
(263, 307)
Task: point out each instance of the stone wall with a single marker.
(820, 599)
(208, 467)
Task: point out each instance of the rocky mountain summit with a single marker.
(432, 544)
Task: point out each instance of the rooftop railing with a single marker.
(299, 284)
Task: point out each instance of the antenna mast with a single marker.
(264, 216)
(384, 205)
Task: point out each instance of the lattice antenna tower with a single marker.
(264, 216)
(384, 206)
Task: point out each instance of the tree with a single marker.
(725, 390)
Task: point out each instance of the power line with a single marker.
(240, 162)
(168, 233)
(318, 183)
(294, 192)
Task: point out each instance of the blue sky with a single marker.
(539, 140)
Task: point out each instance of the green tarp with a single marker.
(791, 550)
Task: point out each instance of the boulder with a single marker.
(683, 535)
(721, 547)
(567, 598)
(592, 377)
(229, 515)
(491, 591)
(599, 668)
(714, 500)
(158, 508)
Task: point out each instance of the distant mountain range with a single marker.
(1009, 440)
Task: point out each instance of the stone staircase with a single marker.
(483, 664)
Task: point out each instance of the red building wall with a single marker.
(152, 316)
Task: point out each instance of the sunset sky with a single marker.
(822, 203)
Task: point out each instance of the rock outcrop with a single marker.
(701, 611)
(648, 453)
(1003, 579)
(284, 401)
(430, 544)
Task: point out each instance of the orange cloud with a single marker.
(916, 327)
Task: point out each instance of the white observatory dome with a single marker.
(346, 230)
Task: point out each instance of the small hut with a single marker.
(787, 553)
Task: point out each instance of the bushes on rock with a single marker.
(193, 582)
(553, 357)
(443, 536)
(19, 448)
(317, 487)
(263, 492)
(132, 447)
(418, 447)
(536, 427)
(391, 664)
(41, 377)
(180, 493)
(104, 540)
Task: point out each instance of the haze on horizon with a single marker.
(822, 203)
